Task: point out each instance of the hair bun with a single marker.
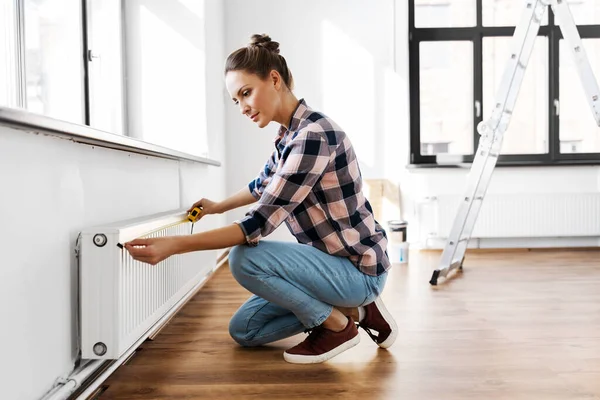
(265, 42)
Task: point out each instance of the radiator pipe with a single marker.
(74, 381)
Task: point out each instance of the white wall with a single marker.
(51, 189)
(350, 61)
(341, 54)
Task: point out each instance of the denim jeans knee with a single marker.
(236, 255)
(239, 262)
(377, 283)
(239, 332)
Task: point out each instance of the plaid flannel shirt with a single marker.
(312, 182)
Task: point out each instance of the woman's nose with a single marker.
(244, 109)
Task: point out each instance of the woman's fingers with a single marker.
(196, 204)
(139, 242)
(137, 252)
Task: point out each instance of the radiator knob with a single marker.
(100, 240)
(100, 349)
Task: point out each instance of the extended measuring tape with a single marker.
(193, 217)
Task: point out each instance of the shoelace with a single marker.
(313, 334)
(375, 338)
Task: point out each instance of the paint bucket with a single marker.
(397, 244)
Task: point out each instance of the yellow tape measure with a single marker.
(194, 215)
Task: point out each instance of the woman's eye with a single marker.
(246, 93)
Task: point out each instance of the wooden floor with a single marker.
(514, 325)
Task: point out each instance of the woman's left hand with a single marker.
(151, 251)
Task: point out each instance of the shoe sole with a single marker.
(391, 322)
(300, 359)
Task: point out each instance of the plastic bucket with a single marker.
(397, 244)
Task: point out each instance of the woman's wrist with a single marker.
(220, 208)
(178, 244)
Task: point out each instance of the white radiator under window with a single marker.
(518, 215)
(120, 298)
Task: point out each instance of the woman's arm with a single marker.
(219, 238)
(240, 199)
(154, 250)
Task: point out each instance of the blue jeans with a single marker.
(295, 288)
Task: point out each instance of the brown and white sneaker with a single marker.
(378, 318)
(323, 344)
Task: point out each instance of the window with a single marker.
(446, 123)
(53, 59)
(44, 63)
(458, 53)
(444, 13)
(9, 56)
(105, 66)
(504, 13)
(530, 116)
(66, 59)
(578, 130)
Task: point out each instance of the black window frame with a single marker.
(475, 35)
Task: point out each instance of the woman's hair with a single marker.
(260, 57)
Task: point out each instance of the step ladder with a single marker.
(492, 130)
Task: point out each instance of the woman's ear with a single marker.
(275, 79)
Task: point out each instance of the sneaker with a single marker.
(378, 318)
(323, 344)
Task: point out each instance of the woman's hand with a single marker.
(152, 250)
(207, 206)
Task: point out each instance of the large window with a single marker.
(50, 60)
(458, 53)
(78, 61)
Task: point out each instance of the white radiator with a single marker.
(120, 298)
(518, 215)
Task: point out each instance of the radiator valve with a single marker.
(100, 349)
(100, 239)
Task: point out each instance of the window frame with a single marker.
(475, 35)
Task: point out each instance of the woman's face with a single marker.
(257, 99)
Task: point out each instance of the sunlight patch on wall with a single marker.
(395, 124)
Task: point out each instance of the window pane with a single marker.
(445, 13)
(106, 67)
(505, 12)
(446, 97)
(166, 85)
(578, 130)
(527, 131)
(8, 54)
(54, 59)
(585, 12)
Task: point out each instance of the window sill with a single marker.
(500, 164)
(84, 134)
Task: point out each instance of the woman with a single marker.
(312, 182)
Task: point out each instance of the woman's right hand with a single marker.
(207, 206)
